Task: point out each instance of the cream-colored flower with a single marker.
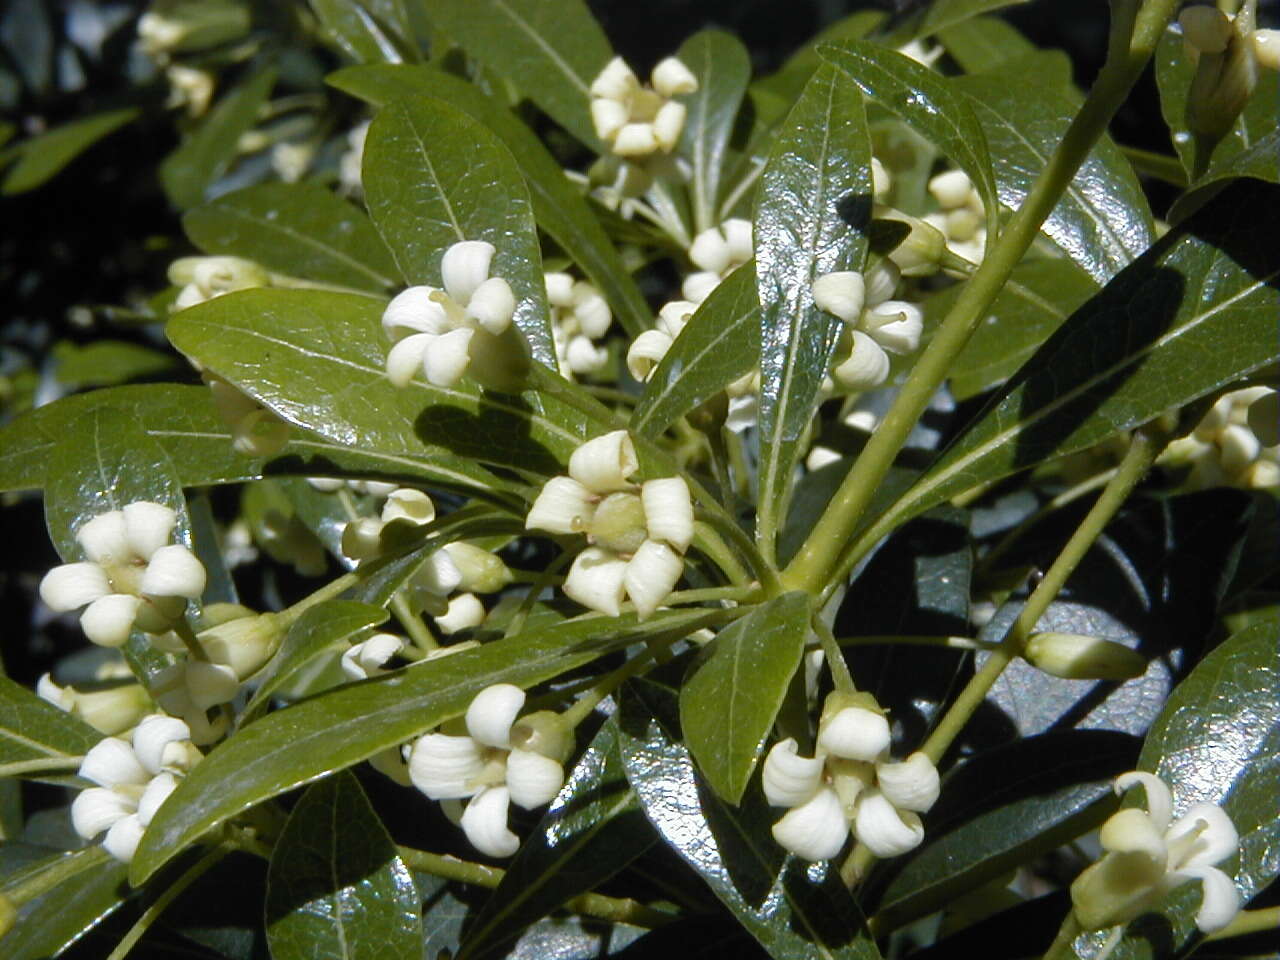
(204, 278)
(875, 326)
(1236, 443)
(961, 216)
(716, 252)
(648, 349)
(580, 317)
(637, 121)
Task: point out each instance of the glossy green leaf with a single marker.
(983, 43)
(336, 729)
(299, 229)
(31, 729)
(321, 631)
(90, 887)
(318, 360)
(1039, 296)
(354, 28)
(434, 176)
(1102, 221)
(336, 886)
(729, 702)
(938, 15)
(794, 909)
(43, 157)
(925, 102)
(105, 363)
(719, 344)
(811, 210)
(594, 829)
(1260, 161)
(1174, 72)
(558, 206)
(209, 151)
(723, 68)
(550, 50)
(1193, 313)
(1218, 741)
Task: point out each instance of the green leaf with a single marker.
(938, 15)
(1260, 161)
(781, 88)
(1102, 221)
(594, 829)
(336, 886)
(317, 359)
(1192, 314)
(984, 43)
(723, 68)
(43, 157)
(31, 729)
(209, 151)
(719, 344)
(550, 50)
(338, 728)
(322, 631)
(558, 206)
(813, 204)
(90, 887)
(357, 31)
(927, 103)
(105, 363)
(300, 229)
(794, 909)
(434, 176)
(1218, 741)
(729, 702)
(1038, 297)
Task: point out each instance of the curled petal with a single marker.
(1133, 831)
(608, 117)
(485, 823)
(1220, 900)
(445, 359)
(108, 621)
(696, 287)
(533, 779)
(635, 140)
(362, 538)
(174, 571)
(842, 294)
(596, 580)
(1159, 800)
(668, 511)
(591, 310)
(615, 81)
(465, 611)
(159, 742)
(882, 282)
(1202, 836)
(445, 767)
(111, 762)
(492, 305)
(815, 830)
(603, 463)
(105, 537)
(405, 358)
(72, 585)
(491, 713)
(854, 733)
(563, 506)
(867, 365)
(97, 809)
(148, 526)
(651, 575)
(368, 658)
(414, 311)
(123, 838)
(896, 325)
(154, 796)
(671, 77)
(669, 124)
(674, 315)
(406, 504)
(912, 784)
(710, 251)
(646, 352)
(464, 267)
(885, 830)
(209, 684)
(738, 234)
(790, 780)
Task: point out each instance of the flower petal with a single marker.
(651, 575)
(710, 251)
(413, 311)
(896, 325)
(405, 358)
(174, 571)
(790, 780)
(123, 838)
(367, 659)
(491, 713)
(444, 767)
(1220, 900)
(842, 294)
(563, 506)
(111, 762)
(108, 621)
(668, 511)
(72, 585)
(867, 365)
(912, 784)
(1215, 837)
(815, 830)
(1159, 800)
(884, 829)
(446, 358)
(646, 352)
(1133, 831)
(105, 537)
(854, 733)
(485, 823)
(671, 77)
(603, 463)
(465, 611)
(155, 795)
(492, 305)
(148, 526)
(596, 580)
(97, 809)
(533, 779)
(159, 742)
(464, 267)
(209, 684)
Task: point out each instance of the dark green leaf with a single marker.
(550, 50)
(794, 909)
(208, 152)
(721, 64)
(813, 204)
(42, 157)
(983, 43)
(1102, 221)
(719, 344)
(594, 829)
(925, 102)
(318, 360)
(336, 886)
(219, 586)
(1193, 313)
(434, 176)
(31, 729)
(938, 15)
(728, 704)
(780, 89)
(105, 363)
(558, 206)
(1261, 161)
(300, 229)
(321, 631)
(336, 729)
(1038, 297)
(355, 29)
(90, 886)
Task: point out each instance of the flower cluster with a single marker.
(133, 576)
(648, 349)
(109, 711)
(579, 317)
(1149, 853)
(133, 779)
(637, 121)
(637, 534)
(716, 252)
(1236, 443)
(960, 216)
(849, 783)
(204, 278)
(498, 761)
(875, 325)
(445, 332)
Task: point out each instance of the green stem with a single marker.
(1157, 165)
(188, 636)
(840, 675)
(747, 593)
(166, 897)
(412, 623)
(585, 704)
(1249, 921)
(332, 589)
(818, 560)
(41, 765)
(912, 640)
(1067, 933)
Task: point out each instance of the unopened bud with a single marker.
(243, 644)
(544, 732)
(916, 251)
(481, 571)
(111, 711)
(1221, 87)
(1075, 657)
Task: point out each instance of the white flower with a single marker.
(189, 87)
(255, 430)
(133, 779)
(1234, 444)
(369, 657)
(875, 325)
(1149, 853)
(442, 332)
(648, 349)
(579, 317)
(109, 711)
(717, 252)
(498, 762)
(292, 160)
(961, 216)
(636, 121)
(352, 159)
(464, 612)
(133, 575)
(190, 689)
(204, 278)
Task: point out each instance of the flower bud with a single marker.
(110, 711)
(544, 732)
(1220, 88)
(1205, 29)
(853, 726)
(214, 275)
(916, 253)
(464, 612)
(362, 539)
(244, 644)
(1075, 657)
(481, 571)
(604, 463)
